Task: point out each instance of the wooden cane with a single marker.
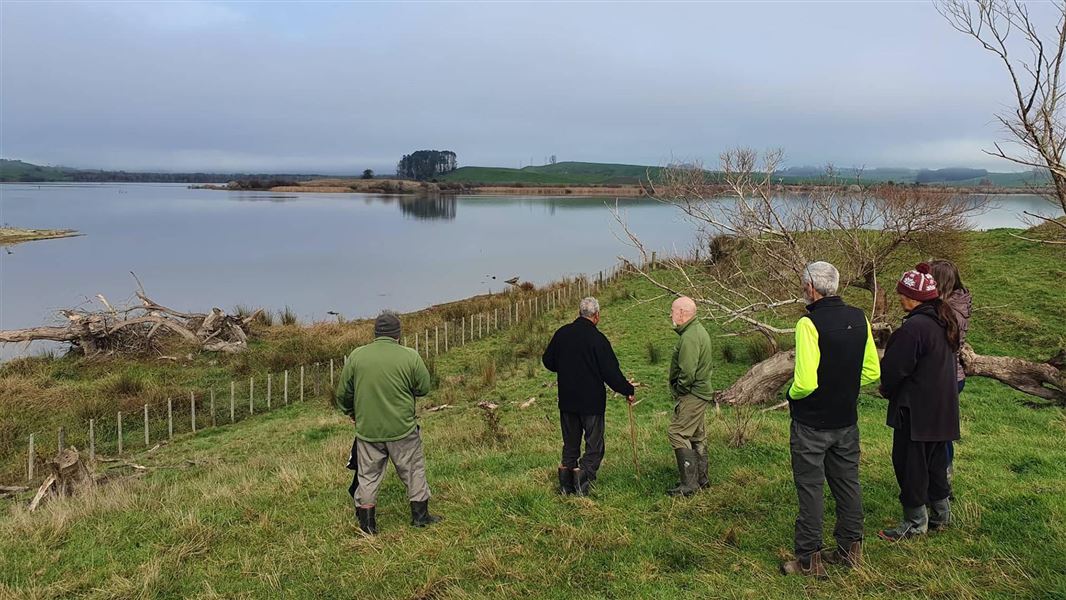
(633, 440)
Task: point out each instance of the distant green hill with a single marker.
(564, 173)
(570, 173)
(16, 170)
(19, 171)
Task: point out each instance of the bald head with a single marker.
(682, 310)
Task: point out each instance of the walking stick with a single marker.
(633, 440)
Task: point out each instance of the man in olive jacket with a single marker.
(690, 384)
(583, 359)
(377, 389)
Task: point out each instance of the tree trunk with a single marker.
(1047, 380)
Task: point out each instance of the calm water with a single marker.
(353, 254)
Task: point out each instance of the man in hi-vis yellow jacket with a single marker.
(835, 356)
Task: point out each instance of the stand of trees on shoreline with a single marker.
(426, 164)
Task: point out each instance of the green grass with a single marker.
(261, 510)
(564, 173)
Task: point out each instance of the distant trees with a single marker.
(552, 160)
(950, 174)
(368, 173)
(426, 164)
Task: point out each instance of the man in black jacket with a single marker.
(584, 361)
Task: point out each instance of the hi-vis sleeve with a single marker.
(808, 356)
(871, 363)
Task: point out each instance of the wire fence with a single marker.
(131, 432)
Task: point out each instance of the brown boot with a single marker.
(811, 566)
(850, 557)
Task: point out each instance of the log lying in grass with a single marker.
(140, 328)
(1047, 380)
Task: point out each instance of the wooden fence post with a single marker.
(92, 441)
(192, 410)
(331, 373)
(496, 318)
(436, 341)
(301, 383)
(31, 461)
(232, 400)
(145, 426)
(251, 395)
(445, 336)
(427, 342)
(170, 419)
(120, 432)
(462, 339)
(269, 383)
(286, 394)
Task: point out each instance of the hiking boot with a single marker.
(849, 557)
(368, 521)
(420, 516)
(566, 481)
(701, 464)
(915, 523)
(687, 461)
(940, 515)
(582, 482)
(810, 565)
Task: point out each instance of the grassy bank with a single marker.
(259, 509)
(16, 235)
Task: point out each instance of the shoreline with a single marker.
(17, 235)
(416, 188)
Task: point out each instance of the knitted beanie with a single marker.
(918, 284)
(387, 325)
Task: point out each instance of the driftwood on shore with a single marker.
(1046, 380)
(139, 328)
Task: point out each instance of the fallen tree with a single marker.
(764, 381)
(140, 328)
(754, 245)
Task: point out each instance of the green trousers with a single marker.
(688, 424)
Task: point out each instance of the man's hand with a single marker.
(631, 399)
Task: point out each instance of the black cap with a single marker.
(387, 325)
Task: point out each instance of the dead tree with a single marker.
(68, 476)
(1033, 61)
(758, 243)
(140, 328)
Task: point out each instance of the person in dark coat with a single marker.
(584, 361)
(954, 292)
(918, 378)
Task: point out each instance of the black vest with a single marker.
(842, 346)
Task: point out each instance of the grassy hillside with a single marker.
(16, 170)
(259, 509)
(572, 173)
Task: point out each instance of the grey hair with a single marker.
(590, 307)
(823, 277)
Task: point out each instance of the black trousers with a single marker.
(574, 426)
(921, 467)
(821, 456)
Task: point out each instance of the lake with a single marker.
(354, 254)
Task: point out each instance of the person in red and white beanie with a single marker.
(918, 378)
(918, 284)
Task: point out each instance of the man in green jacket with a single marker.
(377, 389)
(690, 384)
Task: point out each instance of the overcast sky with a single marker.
(339, 87)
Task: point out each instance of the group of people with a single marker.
(921, 375)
